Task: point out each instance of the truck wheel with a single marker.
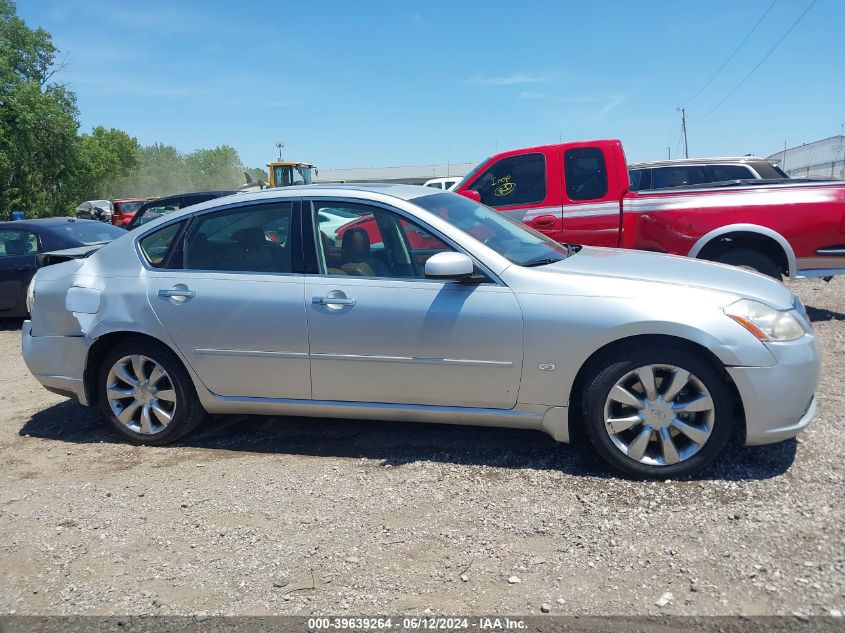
(753, 260)
(146, 394)
(657, 412)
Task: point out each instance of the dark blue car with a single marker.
(23, 244)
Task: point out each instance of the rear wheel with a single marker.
(146, 394)
(657, 413)
(751, 260)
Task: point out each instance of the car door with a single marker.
(18, 249)
(228, 290)
(519, 186)
(591, 208)
(381, 332)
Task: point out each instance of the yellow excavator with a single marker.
(283, 173)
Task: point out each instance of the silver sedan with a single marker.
(423, 306)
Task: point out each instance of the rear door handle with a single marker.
(333, 301)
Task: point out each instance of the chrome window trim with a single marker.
(191, 218)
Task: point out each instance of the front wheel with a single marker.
(657, 413)
(146, 394)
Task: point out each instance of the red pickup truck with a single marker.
(579, 193)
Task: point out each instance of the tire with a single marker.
(747, 258)
(619, 446)
(167, 391)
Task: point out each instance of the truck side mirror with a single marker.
(472, 195)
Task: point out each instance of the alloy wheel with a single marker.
(141, 394)
(659, 415)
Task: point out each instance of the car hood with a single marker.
(633, 265)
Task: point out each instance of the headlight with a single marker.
(30, 296)
(765, 322)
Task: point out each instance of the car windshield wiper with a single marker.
(542, 261)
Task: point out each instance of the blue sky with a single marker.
(356, 84)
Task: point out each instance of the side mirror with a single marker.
(472, 195)
(449, 265)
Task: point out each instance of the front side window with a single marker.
(585, 172)
(515, 180)
(376, 242)
(18, 243)
(511, 239)
(156, 245)
(244, 239)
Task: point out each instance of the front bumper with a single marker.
(57, 362)
(779, 401)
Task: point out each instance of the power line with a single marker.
(736, 50)
(760, 63)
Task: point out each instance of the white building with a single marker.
(409, 175)
(821, 159)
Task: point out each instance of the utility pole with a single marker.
(783, 160)
(683, 112)
(280, 145)
(669, 149)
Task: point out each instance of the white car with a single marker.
(448, 183)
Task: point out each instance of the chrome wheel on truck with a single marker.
(658, 412)
(146, 393)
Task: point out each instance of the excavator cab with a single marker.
(285, 173)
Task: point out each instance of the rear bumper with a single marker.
(57, 362)
(779, 401)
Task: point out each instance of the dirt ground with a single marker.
(254, 515)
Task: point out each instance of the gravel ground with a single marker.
(259, 516)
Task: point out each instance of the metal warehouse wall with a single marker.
(821, 159)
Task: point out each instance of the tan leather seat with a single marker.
(355, 248)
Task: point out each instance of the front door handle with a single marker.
(545, 221)
(333, 301)
(178, 294)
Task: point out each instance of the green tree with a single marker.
(218, 168)
(107, 159)
(38, 124)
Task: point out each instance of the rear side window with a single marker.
(17, 243)
(156, 245)
(585, 171)
(665, 177)
(515, 180)
(242, 239)
(718, 173)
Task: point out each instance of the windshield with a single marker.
(286, 175)
(129, 207)
(472, 173)
(511, 239)
(90, 232)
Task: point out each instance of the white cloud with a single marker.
(607, 103)
(507, 80)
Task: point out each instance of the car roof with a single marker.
(40, 222)
(352, 190)
(396, 190)
(675, 162)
